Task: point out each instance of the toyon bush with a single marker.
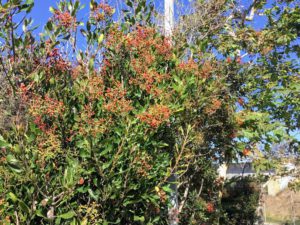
(92, 135)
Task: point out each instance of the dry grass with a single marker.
(283, 207)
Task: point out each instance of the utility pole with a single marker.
(173, 208)
(169, 17)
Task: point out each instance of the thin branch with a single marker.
(185, 194)
(56, 199)
(201, 187)
(7, 75)
(251, 11)
(20, 22)
(17, 218)
(12, 36)
(251, 15)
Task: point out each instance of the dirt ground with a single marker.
(283, 207)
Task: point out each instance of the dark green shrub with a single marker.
(240, 201)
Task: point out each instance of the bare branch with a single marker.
(17, 218)
(184, 198)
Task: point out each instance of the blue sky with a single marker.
(41, 9)
(41, 13)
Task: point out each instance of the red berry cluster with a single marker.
(101, 11)
(65, 19)
(155, 115)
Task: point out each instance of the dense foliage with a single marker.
(240, 201)
(92, 135)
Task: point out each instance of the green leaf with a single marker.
(83, 32)
(91, 64)
(76, 5)
(84, 222)
(49, 25)
(67, 215)
(88, 26)
(139, 218)
(69, 175)
(93, 195)
(106, 165)
(57, 221)
(70, 7)
(24, 207)
(51, 9)
(24, 28)
(39, 213)
(74, 222)
(129, 3)
(100, 39)
(3, 143)
(92, 4)
(13, 164)
(29, 2)
(12, 197)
